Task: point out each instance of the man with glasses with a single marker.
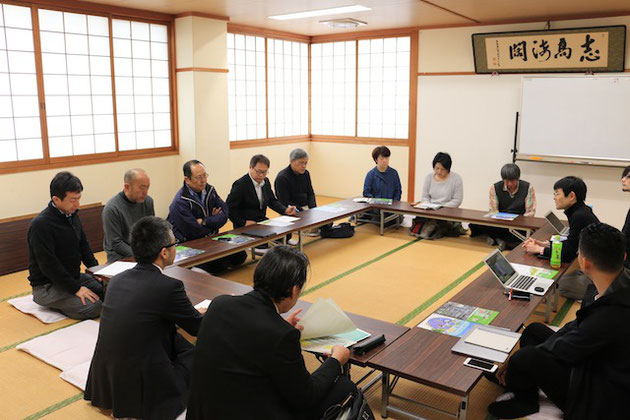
(141, 365)
(252, 193)
(625, 186)
(197, 211)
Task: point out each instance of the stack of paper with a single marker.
(115, 268)
(501, 216)
(326, 325)
(282, 221)
(428, 206)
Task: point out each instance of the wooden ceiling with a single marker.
(385, 14)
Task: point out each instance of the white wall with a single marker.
(472, 118)
(339, 169)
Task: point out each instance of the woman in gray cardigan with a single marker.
(445, 188)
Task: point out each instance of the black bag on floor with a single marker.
(342, 230)
(355, 407)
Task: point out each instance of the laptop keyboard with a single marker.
(523, 282)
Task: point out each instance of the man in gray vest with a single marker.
(510, 195)
(123, 210)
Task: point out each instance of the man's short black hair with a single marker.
(604, 246)
(279, 270)
(570, 184)
(444, 159)
(380, 151)
(63, 183)
(256, 159)
(148, 236)
(510, 172)
(188, 165)
(626, 171)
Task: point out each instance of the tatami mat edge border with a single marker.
(438, 295)
(11, 346)
(16, 296)
(564, 310)
(359, 267)
(55, 407)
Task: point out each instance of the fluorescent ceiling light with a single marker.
(321, 12)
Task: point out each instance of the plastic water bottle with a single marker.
(556, 251)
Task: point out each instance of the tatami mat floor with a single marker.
(395, 277)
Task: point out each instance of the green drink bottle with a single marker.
(556, 252)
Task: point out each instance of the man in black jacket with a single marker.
(252, 193)
(293, 183)
(569, 195)
(583, 368)
(56, 247)
(248, 362)
(625, 186)
(141, 365)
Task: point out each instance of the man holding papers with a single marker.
(141, 364)
(248, 362)
(583, 368)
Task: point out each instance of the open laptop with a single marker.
(511, 279)
(557, 223)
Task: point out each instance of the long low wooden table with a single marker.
(425, 356)
(528, 224)
(200, 286)
(308, 219)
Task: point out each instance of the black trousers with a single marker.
(336, 395)
(531, 368)
(220, 265)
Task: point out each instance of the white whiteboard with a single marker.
(582, 118)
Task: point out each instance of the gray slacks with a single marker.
(57, 298)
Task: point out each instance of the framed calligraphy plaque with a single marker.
(596, 49)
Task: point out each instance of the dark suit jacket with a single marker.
(243, 202)
(137, 368)
(248, 364)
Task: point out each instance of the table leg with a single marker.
(556, 294)
(384, 394)
(548, 304)
(463, 407)
(382, 214)
(301, 240)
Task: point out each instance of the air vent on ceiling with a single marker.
(345, 23)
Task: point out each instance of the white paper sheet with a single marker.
(203, 304)
(324, 318)
(115, 268)
(491, 340)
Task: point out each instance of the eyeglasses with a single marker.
(199, 177)
(261, 172)
(170, 245)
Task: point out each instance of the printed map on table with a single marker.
(456, 319)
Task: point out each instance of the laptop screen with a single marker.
(500, 266)
(555, 222)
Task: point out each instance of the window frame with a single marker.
(109, 12)
(410, 141)
(285, 36)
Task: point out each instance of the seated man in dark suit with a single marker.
(248, 362)
(197, 210)
(141, 365)
(56, 247)
(584, 367)
(252, 193)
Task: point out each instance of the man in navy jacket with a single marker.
(197, 210)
